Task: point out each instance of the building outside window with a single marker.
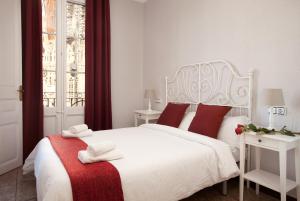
(73, 53)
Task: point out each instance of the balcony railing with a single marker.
(75, 102)
(49, 102)
(73, 99)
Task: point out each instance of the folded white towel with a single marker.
(85, 157)
(68, 134)
(78, 128)
(100, 148)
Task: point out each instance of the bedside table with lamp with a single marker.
(149, 114)
(275, 142)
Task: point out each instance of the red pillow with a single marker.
(208, 119)
(172, 114)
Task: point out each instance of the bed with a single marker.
(161, 163)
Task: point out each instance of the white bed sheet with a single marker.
(160, 164)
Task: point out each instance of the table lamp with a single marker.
(272, 98)
(149, 94)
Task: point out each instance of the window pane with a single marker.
(75, 76)
(49, 52)
(75, 20)
(76, 55)
(49, 16)
(75, 93)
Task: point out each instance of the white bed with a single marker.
(160, 163)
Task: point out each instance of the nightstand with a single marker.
(278, 143)
(145, 115)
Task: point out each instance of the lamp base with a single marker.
(149, 105)
(271, 119)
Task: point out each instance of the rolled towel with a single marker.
(68, 134)
(78, 128)
(100, 148)
(85, 157)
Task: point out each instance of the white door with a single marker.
(63, 63)
(10, 79)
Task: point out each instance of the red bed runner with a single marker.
(90, 182)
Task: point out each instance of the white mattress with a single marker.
(160, 163)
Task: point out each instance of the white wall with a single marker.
(259, 34)
(126, 60)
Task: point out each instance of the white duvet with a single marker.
(160, 164)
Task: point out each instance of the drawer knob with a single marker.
(259, 140)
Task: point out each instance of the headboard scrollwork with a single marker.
(214, 83)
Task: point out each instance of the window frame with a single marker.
(68, 112)
(54, 34)
(63, 55)
(66, 71)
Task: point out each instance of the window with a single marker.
(49, 52)
(73, 65)
(75, 45)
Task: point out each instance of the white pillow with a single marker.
(227, 131)
(186, 121)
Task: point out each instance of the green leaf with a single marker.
(284, 131)
(252, 127)
(265, 130)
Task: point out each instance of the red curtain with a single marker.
(97, 65)
(32, 74)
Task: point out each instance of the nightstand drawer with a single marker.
(261, 141)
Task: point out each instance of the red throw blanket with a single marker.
(90, 182)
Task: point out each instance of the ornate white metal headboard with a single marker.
(214, 83)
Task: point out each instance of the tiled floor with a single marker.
(16, 187)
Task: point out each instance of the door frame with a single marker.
(20, 77)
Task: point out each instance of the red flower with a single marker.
(239, 130)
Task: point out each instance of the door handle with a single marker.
(20, 91)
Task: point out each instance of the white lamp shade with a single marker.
(149, 93)
(273, 97)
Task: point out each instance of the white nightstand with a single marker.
(279, 143)
(145, 115)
